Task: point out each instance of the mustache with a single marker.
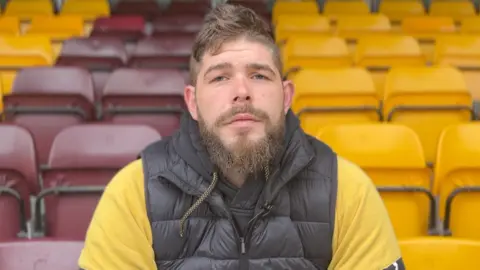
(248, 108)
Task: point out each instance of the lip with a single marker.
(243, 117)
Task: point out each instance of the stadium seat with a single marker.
(315, 52)
(456, 180)
(89, 10)
(145, 8)
(18, 179)
(178, 8)
(77, 173)
(427, 99)
(336, 9)
(396, 11)
(126, 28)
(150, 97)
(9, 26)
(40, 255)
(352, 28)
(470, 25)
(56, 27)
(463, 52)
(454, 9)
(180, 25)
(334, 96)
(99, 55)
(293, 25)
(45, 100)
(426, 29)
(393, 157)
(25, 10)
(166, 52)
(440, 253)
(19, 52)
(293, 8)
(261, 8)
(379, 53)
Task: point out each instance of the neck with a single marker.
(235, 177)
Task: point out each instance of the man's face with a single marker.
(239, 96)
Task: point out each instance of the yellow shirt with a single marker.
(120, 237)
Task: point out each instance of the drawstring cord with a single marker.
(204, 197)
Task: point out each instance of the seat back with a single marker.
(440, 253)
(167, 52)
(126, 28)
(77, 172)
(18, 179)
(392, 156)
(457, 175)
(311, 52)
(293, 8)
(26, 10)
(455, 9)
(145, 8)
(45, 100)
(352, 28)
(470, 25)
(463, 52)
(40, 255)
(180, 25)
(396, 11)
(176, 8)
(151, 97)
(333, 96)
(9, 26)
(307, 24)
(88, 10)
(336, 9)
(380, 53)
(427, 99)
(57, 28)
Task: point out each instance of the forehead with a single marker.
(239, 53)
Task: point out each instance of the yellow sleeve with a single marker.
(119, 235)
(363, 236)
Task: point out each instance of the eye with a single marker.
(259, 77)
(219, 79)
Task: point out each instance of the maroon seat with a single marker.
(18, 179)
(82, 161)
(145, 8)
(166, 52)
(126, 28)
(150, 97)
(180, 25)
(183, 8)
(45, 100)
(40, 255)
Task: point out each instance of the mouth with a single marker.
(243, 118)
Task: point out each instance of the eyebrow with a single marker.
(257, 66)
(219, 66)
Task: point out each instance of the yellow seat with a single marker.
(470, 25)
(336, 9)
(380, 53)
(291, 25)
(20, 52)
(89, 10)
(25, 9)
(392, 156)
(455, 9)
(293, 8)
(56, 28)
(316, 52)
(427, 99)
(440, 253)
(396, 11)
(334, 96)
(457, 170)
(426, 29)
(9, 26)
(354, 27)
(463, 52)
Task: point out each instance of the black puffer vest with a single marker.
(193, 228)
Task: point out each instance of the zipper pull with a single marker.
(242, 245)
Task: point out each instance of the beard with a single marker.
(244, 156)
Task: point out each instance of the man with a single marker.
(240, 185)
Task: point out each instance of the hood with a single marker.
(188, 145)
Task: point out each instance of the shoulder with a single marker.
(128, 178)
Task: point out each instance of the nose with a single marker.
(242, 90)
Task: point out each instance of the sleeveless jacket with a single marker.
(192, 226)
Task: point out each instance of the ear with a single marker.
(288, 92)
(189, 96)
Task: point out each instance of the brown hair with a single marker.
(228, 22)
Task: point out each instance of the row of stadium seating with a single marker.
(83, 158)
(438, 253)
